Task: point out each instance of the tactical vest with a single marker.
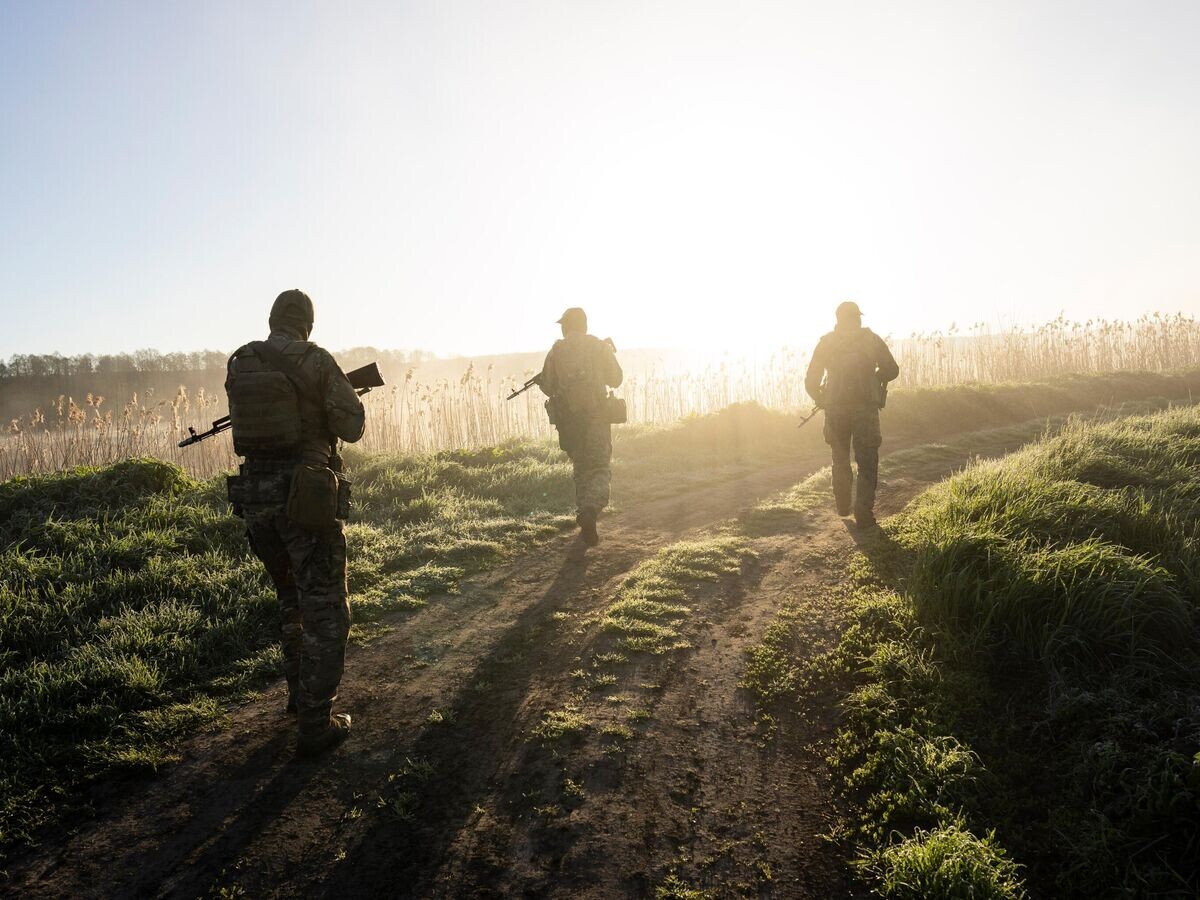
(264, 409)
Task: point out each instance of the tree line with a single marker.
(39, 365)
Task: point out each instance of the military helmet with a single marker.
(293, 308)
(574, 318)
(848, 311)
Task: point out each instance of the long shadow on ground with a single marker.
(441, 777)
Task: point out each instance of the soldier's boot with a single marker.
(587, 526)
(314, 742)
(864, 518)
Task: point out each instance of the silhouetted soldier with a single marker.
(289, 403)
(848, 378)
(577, 372)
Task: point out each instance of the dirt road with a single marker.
(440, 790)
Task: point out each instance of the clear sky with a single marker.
(450, 175)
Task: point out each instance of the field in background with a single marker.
(468, 410)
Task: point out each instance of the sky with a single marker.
(451, 175)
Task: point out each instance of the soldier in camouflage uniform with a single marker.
(577, 371)
(289, 404)
(847, 377)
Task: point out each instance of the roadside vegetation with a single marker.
(1022, 716)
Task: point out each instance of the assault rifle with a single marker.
(362, 380)
(535, 380)
(808, 418)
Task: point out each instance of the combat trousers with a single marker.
(854, 427)
(589, 445)
(309, 574)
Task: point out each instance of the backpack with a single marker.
(264, 407)
(580, 388)
(852, 379)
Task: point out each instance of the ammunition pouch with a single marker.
(312, 502)
(615, 412)
(880, 394)
(343, 496)
(611, 410)
(259, 489)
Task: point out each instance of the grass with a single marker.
(945, 863)
(1023, 709)
(650, 606)
(558, 724)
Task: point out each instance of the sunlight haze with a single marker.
(452, 175)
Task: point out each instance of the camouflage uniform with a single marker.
(307, 568)
(585, 438)
(846, 376)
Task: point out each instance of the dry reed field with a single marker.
(417, 417)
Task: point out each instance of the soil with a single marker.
(441, 790)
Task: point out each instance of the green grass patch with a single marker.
(945, 863)
(558, 724)
(1022, 658)
(651, 604)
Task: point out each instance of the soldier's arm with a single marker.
(343, 409)
(548, 382)
(816, 372)
(613, 376)
(885, 364)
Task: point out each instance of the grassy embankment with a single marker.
(1024, 717)
(131, 611)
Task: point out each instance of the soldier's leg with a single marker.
(867, 438)
(319, 562)
(595, 468)
(837, 436)
(594, 475)
(262, 529)
(571, 442)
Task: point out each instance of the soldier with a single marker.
(289, 403)
(578, 369)
(848, 378)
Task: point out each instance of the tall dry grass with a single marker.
(412, 416)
